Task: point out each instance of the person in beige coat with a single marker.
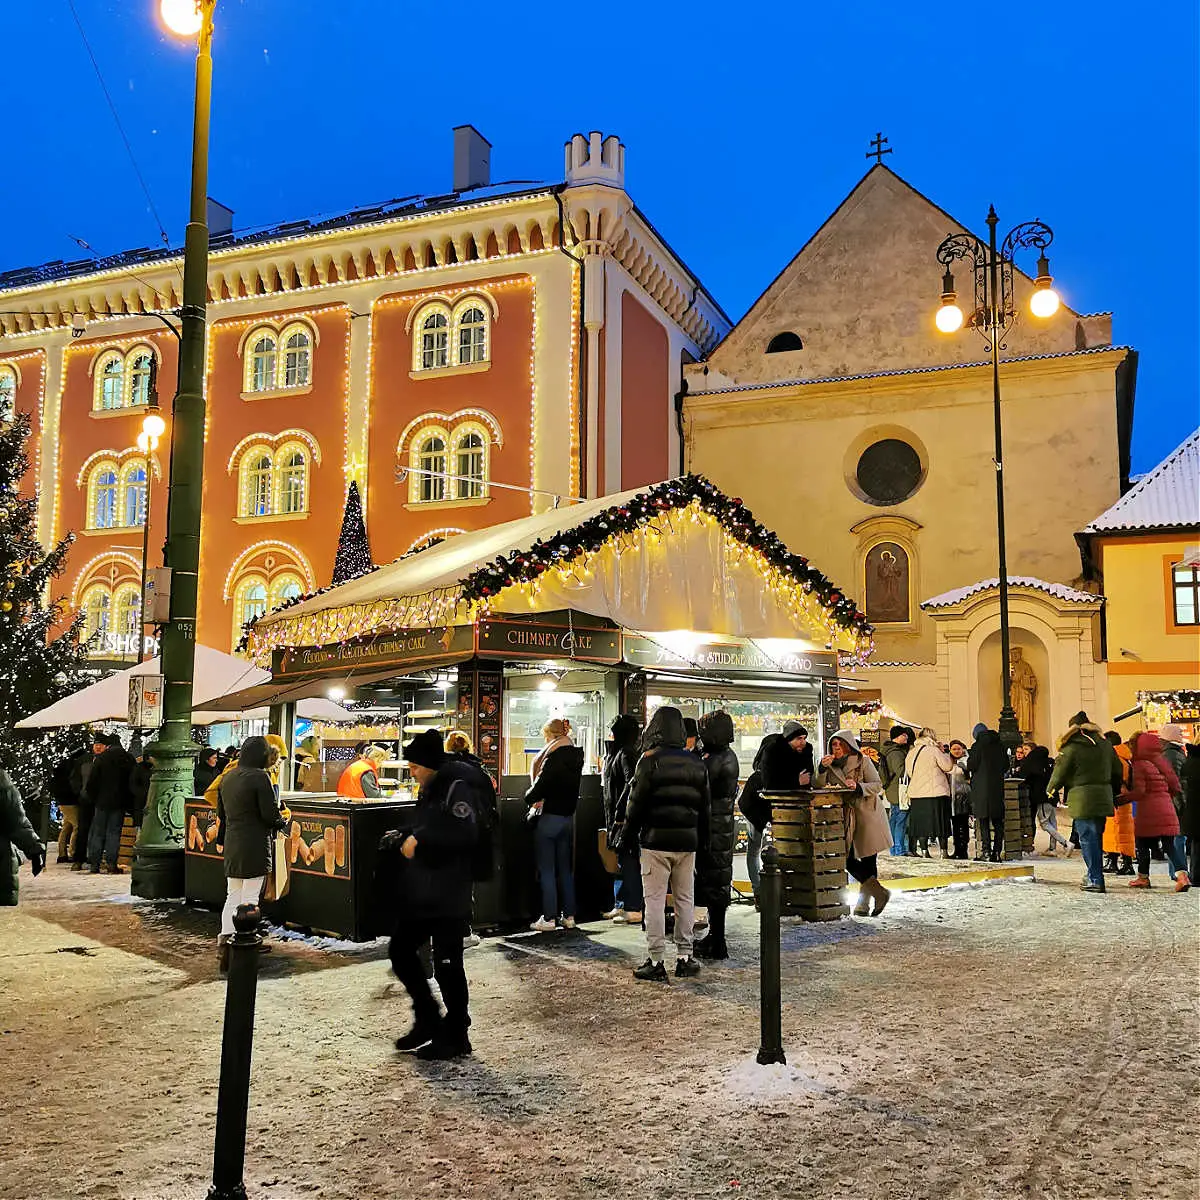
(867, 832)
(928, 768)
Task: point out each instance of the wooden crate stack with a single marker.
(1014, 825)
(809, 834)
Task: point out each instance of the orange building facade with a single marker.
(466, 359)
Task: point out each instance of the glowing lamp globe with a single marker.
(336, 693)
(182, 16)
(949, 318)
(1044, 302)
(154, 426)
(145, 443)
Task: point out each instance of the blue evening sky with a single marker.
(745, 125)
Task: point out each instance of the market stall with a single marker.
(668, 594)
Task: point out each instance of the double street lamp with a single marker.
(993, 314)
(158, 864)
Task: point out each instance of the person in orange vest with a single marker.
(359, 780)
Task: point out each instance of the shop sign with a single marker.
(318, 844)
(529, 639)
(404, 647)
(1185, 715)
(733, 657)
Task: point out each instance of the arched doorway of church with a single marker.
(1030, 668)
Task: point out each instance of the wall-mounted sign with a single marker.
(548, 639)
(401, 649)
(733, 657)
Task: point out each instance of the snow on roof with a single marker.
(1166, 498)
(1058, 590)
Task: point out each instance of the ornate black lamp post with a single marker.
(993, 316)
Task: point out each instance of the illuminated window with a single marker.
(103, 497)
(133, 493)
(431, 462)
(140, 370)
(260, 372)
(110, 382)
(8, 394)
(292, 471)
(470, 465)
(296, 359)
(472, 325)
(284, 588)
(250, 601)
(97, 611)
(433, 347)
(256, 484)
(127, 611)
(1185, 589)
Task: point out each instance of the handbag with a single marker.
(608, 849)
(905, 784)
(279, 878)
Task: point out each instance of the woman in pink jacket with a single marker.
(1155, 821)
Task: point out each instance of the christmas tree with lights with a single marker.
(39, 664)
(354, 551)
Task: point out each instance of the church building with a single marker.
(850, 424)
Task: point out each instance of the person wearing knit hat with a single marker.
(986, 764)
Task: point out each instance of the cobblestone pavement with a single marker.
(1012, 1039)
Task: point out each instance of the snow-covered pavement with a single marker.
(1013, 1039)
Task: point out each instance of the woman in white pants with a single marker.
(248, 816)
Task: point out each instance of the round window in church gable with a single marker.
(888, 472)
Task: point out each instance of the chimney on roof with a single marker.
(472, 158)
(219, 218)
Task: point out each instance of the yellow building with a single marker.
(849, 424)
(1145, 549)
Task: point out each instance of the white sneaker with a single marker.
(543, 925)
(568, 922)
(611, 915)
(471, 941)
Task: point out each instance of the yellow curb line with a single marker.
(925, 883)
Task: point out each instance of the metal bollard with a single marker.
(770, 891)
(233, 1092)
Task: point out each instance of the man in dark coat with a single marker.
(987, 763)
(714, 864)
(107, 788)
(620, 760)
(756, 809)
(16, 833)
(437, 848)
(667, 816)
(891, 770)
(86, 810)
(788, 763)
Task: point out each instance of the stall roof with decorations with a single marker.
(677, 555)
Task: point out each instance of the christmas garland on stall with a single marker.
(690, 495)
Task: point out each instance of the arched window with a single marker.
(103, 497)
(435, 341)
(297, 349)
(97, 606)
(127, 613)
(140, 370)
(250, 601)
(8, 394)
(256, 483)
(782, 342)
(260, 371)
(110, 382)
(291, 466)
(470, 464)
(284, 588)
(472, 335)
(133, 493)
(431, 461)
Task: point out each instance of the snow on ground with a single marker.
(986, 1042)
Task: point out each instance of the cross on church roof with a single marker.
(877, 150)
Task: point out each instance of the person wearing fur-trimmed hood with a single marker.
(867, 832)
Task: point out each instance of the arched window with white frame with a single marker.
(471, 333)
(8, 393)
(140, 372)
(291, 473)
(103, 487)
(470, 464)
(257, 482)
(110, 382)
(432, 343)
(285, 587)
(297, 357)
(429, 459)
(127, 612)
(133, 493)
(249, 603)
(97, 611)
(260, 362)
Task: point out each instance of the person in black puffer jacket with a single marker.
(667, 816)
(756, 809)
(620, 761)
(714, 871)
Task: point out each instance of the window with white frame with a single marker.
(257, 483)
(274, 482)
(1185, 594)
(123, 380)
(110, 382)
(249, 602)
(133, 493)
(279, 361)
(286, 587)
(140, 370)
(449, 458)
(471, 324)
(470, 464)
(103, 489)
(433, 345)
(429, 453)
(127, 611)
(291, 467)
(8, 393)
(97, 611)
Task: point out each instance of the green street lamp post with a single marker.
(158, 863)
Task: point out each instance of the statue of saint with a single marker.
(1024, 690)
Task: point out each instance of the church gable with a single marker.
(860, 297)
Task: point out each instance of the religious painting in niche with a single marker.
(889, 471)
(887, 584)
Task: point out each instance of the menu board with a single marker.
(200, 822)
(489, 689)
(318, 844)
(633, 700)
(831, 709)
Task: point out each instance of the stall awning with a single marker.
(677, 555)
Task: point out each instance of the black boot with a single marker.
(713, 946)
(1126, 867)
(1110, 864)
(421, 1034)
